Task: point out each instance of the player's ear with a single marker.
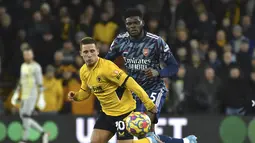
(142, 22)
(97, 50)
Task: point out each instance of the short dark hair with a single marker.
(87, 40)
(132, 12)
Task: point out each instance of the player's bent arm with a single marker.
(81, 95)
(132, 85)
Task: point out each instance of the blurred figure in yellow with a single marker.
(53, 92)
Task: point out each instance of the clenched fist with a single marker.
(71, 95)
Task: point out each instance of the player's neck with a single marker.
(29, 62)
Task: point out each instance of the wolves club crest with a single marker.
(145, 51)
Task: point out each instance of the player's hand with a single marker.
(154, 110)
(151, 72)
(71, 95)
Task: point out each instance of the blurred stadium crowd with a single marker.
(213, 41)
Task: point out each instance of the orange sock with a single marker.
(144, 140)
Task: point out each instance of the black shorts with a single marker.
(113, 124)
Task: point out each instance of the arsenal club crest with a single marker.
(146, 51)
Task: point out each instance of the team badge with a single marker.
(99, 79)
(145, 51)
(117, 74)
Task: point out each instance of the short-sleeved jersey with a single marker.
(30, 79)
(105, 80)
(149, 52)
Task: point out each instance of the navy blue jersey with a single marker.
(149, 52)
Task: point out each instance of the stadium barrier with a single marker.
(77, 129)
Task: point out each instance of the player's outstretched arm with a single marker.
(132, 85)
(15, 96)
(79, 96)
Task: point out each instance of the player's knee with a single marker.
(96, 139)
(125, 141)
(151, 115)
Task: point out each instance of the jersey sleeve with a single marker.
(115, 74)
(165, 51)
(114, 50)
(166, 57)
(39, 77)
(84, 85)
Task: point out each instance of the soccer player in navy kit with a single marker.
(143, 54)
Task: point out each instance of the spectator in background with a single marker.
(182, 55)
(58, 59)
(1, 106)
(153, 25)
(69, 52)
(207, 92)
(76, 7)
(220, 42)
(182, 40)
(204, 29)
(253, 63)
(226, 26)
(86, 21)
(78, 36)
(68, 83)
(237, 38)
(53, 91)
(105, 30)
(234, 11)
(66, 28)
(1, 56)
(203, 49)
(194, 44)
(108, 6)
(244, 59)
(213, 60)
(170, 13)
(234, 93)
(179, 91)
(37, 28)
(7, 33)
(227, 64)
(252, 91)
(194, 71)
(45, 48)
(248, 28)
(46, 14)
(78, 62)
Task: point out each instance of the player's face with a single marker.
(28, 56)
(134, 25)
(89, 53)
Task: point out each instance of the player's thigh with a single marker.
(101, 136)
(122, 133)
(104, 129)
(158, 98)
(125, 141)
(27, 107)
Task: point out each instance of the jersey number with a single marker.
(120, 125)
(153, 96)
